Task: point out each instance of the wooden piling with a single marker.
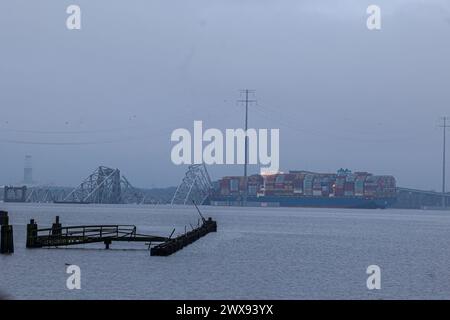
(32, 228)
(3, 218)
(56, 227)
(7, 235)
(107, 243)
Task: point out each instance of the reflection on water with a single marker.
(257, 253)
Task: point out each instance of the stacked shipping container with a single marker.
(303, 183)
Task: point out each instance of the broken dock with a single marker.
(58, 235)
(173, 245)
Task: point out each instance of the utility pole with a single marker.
(247, 101)
(444, 127)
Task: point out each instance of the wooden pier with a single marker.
(173, 245)
(58, 235)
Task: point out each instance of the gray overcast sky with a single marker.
(342, 96)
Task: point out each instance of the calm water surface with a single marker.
(257, 253)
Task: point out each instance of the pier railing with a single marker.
(88, 233)
(74, 235)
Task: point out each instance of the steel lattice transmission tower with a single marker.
(246, 102)
(105, 185)
(195, 186)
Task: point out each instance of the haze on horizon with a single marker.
(112, 93)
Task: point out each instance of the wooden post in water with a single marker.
(31, 233)
(107, 243)
(212, 225)
(7, 235)
(3, 217)
(56, 227)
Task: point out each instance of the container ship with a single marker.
(343, 189)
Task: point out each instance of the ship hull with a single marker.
(305, 201)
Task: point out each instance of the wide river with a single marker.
(257, 253)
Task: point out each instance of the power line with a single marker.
(82, 143)
(276, 118)
(70, 143)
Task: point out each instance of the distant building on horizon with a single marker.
(28, 171)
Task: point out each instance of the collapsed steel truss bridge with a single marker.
(195, 187)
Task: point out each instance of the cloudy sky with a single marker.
(112, 93)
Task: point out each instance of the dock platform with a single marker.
(58, 236)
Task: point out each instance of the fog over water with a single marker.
(112, 93)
